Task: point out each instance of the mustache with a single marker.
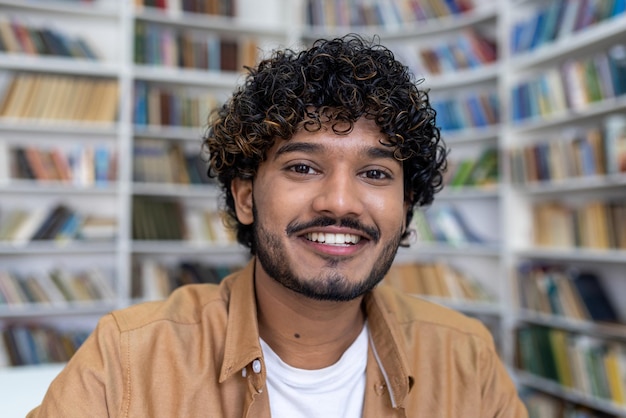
(322, 221)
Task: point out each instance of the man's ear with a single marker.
(242, 194)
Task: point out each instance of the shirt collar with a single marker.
(242, 332)
(385, 336)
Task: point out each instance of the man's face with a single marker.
(328, 211)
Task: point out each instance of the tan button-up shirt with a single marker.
(197, 354)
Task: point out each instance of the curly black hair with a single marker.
(332, 83)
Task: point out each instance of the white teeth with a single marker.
(333, 239)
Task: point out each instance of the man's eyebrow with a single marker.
(297, 147)
(377, 152)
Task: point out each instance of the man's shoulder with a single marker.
(186, 305)
(414, 311)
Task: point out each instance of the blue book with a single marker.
(476, 111)
(617, 66)
(539, 23)
(101, 165)
(619, 6)
(140, 106)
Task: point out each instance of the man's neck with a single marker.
(305, 333)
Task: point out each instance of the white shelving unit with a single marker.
(518, 199)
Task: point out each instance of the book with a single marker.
(617, 66)
(614, 130)
(615, 366)
(594, 297)
(52, 223)
(30, 226)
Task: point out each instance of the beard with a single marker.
(327, 286)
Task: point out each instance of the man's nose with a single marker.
(339, 195)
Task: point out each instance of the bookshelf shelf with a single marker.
(614, 331)
(178, 190)
(571, 395)
(72, 309)
(59, 65)
(57, 248)
(462, 78)
(86, 130)
(219, 253)
(57, 188)
(442, 249)
(469, 307)
(577, 184)
(472, 136)
(222, 24)
(186, 77)
(100, 9)
(574, 254)
(168, 132)
(410, 31)
(469, 192)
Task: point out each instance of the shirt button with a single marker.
(256, 366)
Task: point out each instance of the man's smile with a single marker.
(333, 239)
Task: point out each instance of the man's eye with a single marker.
(301, 169)
(376, 174)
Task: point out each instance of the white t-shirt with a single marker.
(334, 391)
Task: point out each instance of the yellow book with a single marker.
(616, 372)
(558, 343)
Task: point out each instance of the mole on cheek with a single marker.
(296, 335)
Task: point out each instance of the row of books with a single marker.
(467, 50)
(153, 280)
(560, 18)
(382, 13)
(19, 37)
(59, 223)
(562, 291)
(209, 7)
(474, 110)
(57, 287)
(167, 219)
(473, 172)
(586, 364)
(437, 279)
(444, 224)
(173, 47)
(83, 165)
(60, 98)
(170, 106)
(594, 224)
(159, 161)
(574, 85)
(590, 151)
(23, 345)
(542, 405)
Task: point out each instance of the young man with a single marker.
(322, 156)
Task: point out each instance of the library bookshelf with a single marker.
(520, 191)
(103, 109)
(565, 192)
